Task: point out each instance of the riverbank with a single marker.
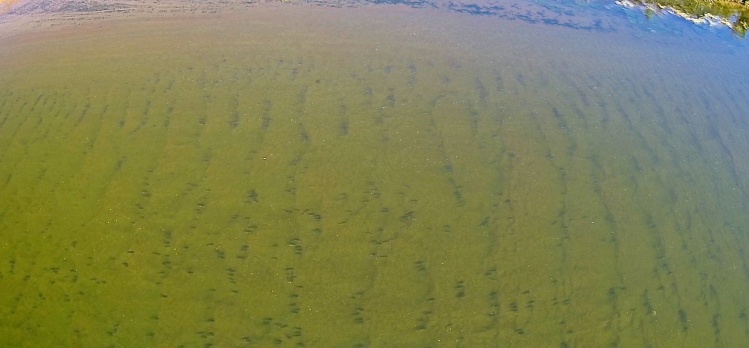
(50, 13)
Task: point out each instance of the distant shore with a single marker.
(23, 15)
(27, 15)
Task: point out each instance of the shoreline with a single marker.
(26, 15)
(19, 16)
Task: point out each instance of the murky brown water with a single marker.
(370, 178)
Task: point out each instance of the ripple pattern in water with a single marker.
(280, 178)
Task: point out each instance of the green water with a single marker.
(392, 179)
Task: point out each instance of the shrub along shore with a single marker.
(735, 13)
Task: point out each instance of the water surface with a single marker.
(373, 177)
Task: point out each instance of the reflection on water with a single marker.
(371, 177)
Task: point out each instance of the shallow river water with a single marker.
(375, 176)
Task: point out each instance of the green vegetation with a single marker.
(734, 14)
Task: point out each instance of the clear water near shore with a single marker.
(372, 178)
